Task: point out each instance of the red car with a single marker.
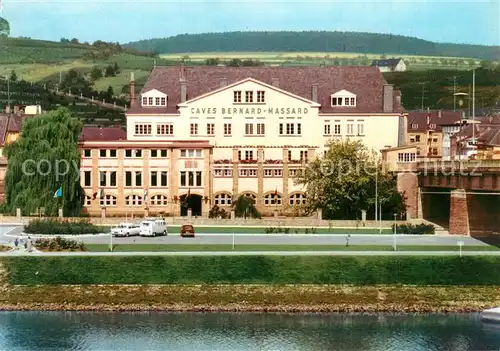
(187, 231)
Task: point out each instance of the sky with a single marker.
(471, 22)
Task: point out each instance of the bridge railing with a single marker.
(465, 164)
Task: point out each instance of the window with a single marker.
(335, 102)
(350, 127)
(278, 173)
(87, 178)
(190, 178)
(128, 153)
(297, 199)
(142, 129)
(223, 172)
(154, 153)
(191, 153)
(272, 199)
(248, 155)
(414, 126)
(138, 153)
(417, 138)
(157, 101)
(250, 196)
(159, 179)
(237, 96)
(138, 178)
(128, 178)
(268, 172)
(112, 178)
(281, 129)
(144, 101)
(406, 157)
(432, 126)
(159, 200)
(261, 129)
(165, 129)
(223, 200)
(164, 101)
(112, 153)
(87, 153)
(289, 155)
(210, 129)
(102, 178)
(150, 101)
(163, 153)
(261, 96)
(248, 173)
(88, 201)
(347, 102)
(435, 140)
(290, 129)
(227, 128)
(102, 153)
(108, 200)
(303, 156)
(343, 101)
(194, 129)
(299, 128)
(326, 128)
(133, 200)
(434, 151)
(248, 129)
(248, 96)
(293, 172)
(336, 128)
(361, 127)
(353, 101)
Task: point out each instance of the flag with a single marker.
(94, 196)
(276, 192)
(58, 193)
(145, 195)
(101, 194)
(186, 199)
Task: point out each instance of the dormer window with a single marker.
(343, 98)
(154, 98)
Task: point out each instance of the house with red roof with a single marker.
(203, 136)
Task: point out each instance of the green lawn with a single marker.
(197, 247)
(261, 230)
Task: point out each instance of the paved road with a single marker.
(260, 253)
(268, 239)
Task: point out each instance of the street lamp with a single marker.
(395, 227)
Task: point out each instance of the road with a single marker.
(268, 239)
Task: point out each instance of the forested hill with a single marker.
(312, 41)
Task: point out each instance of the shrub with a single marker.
(59, 244)
(217, 212)
(61, 227)
(418, 229)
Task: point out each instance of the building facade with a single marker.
(202, 136)
(390, 65)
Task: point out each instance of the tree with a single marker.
(95, 73)
(342, 183)
(236, 62)
(213, 61)
(109, 93)
(75, 41)
(245, 207)
(116, 68)
(110, 72)
(13, 76)
(45, 158)
(217, 212)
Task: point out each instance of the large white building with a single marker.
(215, 133)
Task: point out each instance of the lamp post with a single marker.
(376, 191)
(395, 227)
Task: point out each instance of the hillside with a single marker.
(312, 41)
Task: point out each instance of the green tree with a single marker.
(13, 76)
(109, 93)
(110, 72)
(44, 158)
(245, 207)
(95, 73)
(116, 68)
(342, 183)
(213, 61)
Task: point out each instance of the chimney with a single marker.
(314, 93)
(182, 77)
(388, 97)
(7, 109)
(440, 114)
(183, 91)
(132, 89)
(16, 110)
(223, 82)
(275, 82)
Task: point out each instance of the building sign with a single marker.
(190, 164)
(249, 111)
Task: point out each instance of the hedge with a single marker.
(361, 270)
(61, 227)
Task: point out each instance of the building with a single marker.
(425, 131)
(478, 139)
(202, 136)
(390, 65)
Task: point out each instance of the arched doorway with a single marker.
(193, 202)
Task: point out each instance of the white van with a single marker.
(153, 227)
(126, 229)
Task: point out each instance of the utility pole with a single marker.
(454, 92)
(473, 105)
(8, 90)
(423, 96)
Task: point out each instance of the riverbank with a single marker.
(250, 298)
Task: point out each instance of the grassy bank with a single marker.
(237, 247)
(360, 270)
(245, 298)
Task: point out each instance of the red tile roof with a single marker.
(418, 119)
(366, 82)
(103, 134)
(486, 132)
(10, 123)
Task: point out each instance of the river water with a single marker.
(243, 331)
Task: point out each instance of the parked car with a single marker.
(187, 231)
(126, 229)
(153, 227)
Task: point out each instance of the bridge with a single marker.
(463, 196)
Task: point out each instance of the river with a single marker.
(243, 331)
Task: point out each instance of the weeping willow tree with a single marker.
(44, 159)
